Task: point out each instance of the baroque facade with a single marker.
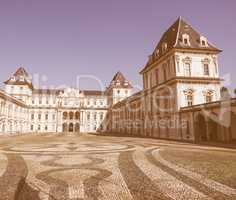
(24, 108)
(181, 99)
(180, 84)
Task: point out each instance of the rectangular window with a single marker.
(157, 78)
(189, 100)
(46, 116)
(187, 69)
(32, 127)
(216, 70)
(32, 116)
(101, 116)
(39, 116)
(208, 98)
(164, 74)
(206, 69)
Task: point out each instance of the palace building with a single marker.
(25, 109)
(181, 97)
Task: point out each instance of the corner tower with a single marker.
(187, 62)
(119, 89)
(19, 85)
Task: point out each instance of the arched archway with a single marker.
(65, 115)
(65, 127)
(77, 115)
(200, 128)
(71, 127)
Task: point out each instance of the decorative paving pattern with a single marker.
(99, 168)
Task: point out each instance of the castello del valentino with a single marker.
(181, 97)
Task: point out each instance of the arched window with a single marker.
(77, 115)
(64, 115)
(71, 115)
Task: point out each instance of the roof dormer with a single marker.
(185, 39)
(203, 41)
(164, 47)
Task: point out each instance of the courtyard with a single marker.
(67, 166)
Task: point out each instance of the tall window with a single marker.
(208, 98)
(187, 69)
(150, 80)
(88, 116)
(101, 116)
(32, 116)
(164, 74)
(39, 116)
(156, 72)
(95, 116)
(206, 69)
(189, 98)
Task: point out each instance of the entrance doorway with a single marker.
(71, 127)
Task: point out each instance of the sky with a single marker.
(58, 40)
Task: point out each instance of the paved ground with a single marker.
(51, 167)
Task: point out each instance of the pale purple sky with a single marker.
(65, 38)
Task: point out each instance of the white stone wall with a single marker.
(198, 93)
(120, 93)
(22, 92)
(92, 120)
(196, 62)
(13, 117)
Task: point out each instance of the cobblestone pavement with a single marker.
(50, 167)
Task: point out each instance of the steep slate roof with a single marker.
(57, 92)
(173, 40)
(93, 92)
(119, 77)
(47, 91)
(20, 72)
